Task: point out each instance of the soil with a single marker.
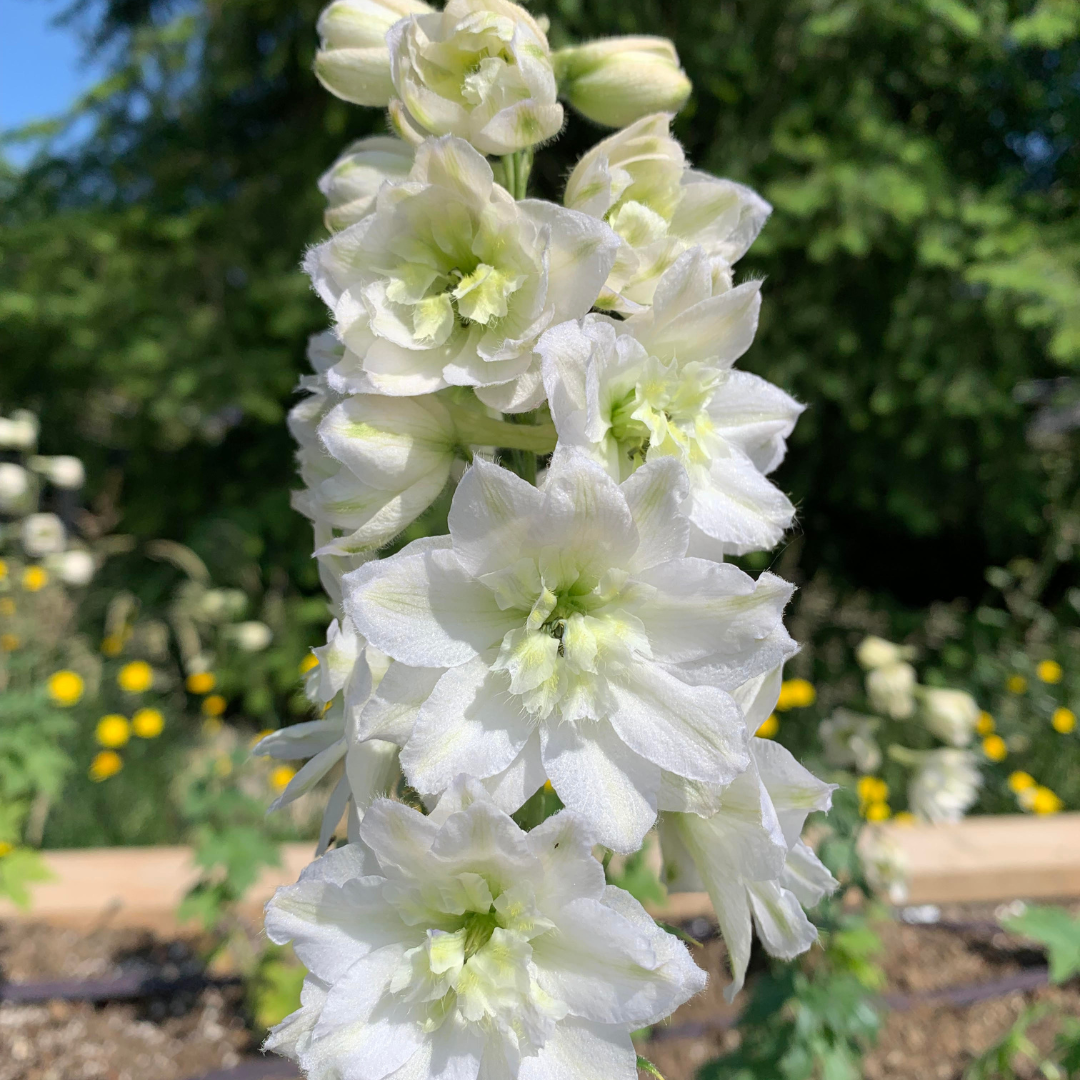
(188, 1034)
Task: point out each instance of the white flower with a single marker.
(14, 485)
(874, 652)
(252, 635)
(19, 431)
(886, 865)
(891, 689)
(62, 471)
(945, 785)
(481, 70)
(352, 182)
(637, 180)
(581, 645)
(347, 667)
(42, 534)
(615, 81)
(449, 281)
(951, 715)
(456, 946)
(748, 854)
(353, 61)
(74, 567)
(661, 384)
(849, 738)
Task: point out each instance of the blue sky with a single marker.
(40, 69)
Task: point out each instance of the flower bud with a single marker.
(251, 636)
(42, 534)
(619, 80)
(353, 62)
(74, 567)
(19, 431)
(352, 182)
(14, 485)
(62, 471)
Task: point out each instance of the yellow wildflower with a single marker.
(310, 661)
(148, 723)
(904, 817)
(1045, 801)
(34, 578)
(872, 789)
(106, 763)
(1063, 720)
(1016, 684)
(280, 777)
(985, 724)
(994, 748)
(65, 687)
(3, 570)
(10, 642)
(136, 677)
(214, 705)
(796, 694)
(6, 848)
(769, 727)
(878, 811)
(1020, 781)
(113, 730)
(200, 682)
(1049, 671)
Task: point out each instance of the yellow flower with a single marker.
(1049, 671)
(223, 765)
(259, 738)
(7, 606)
(148, 723)
(34, 578)
(6, 848)
(1063, 720)
(769, 727)
(994, 748)
(1016, 684)
(280, 777)
(113, 730)
(9, 642)
(796, 694)
(106, 763)
(214, 705)
(985, 724)
(3, 570)
(65, 687)
(1020, 781)
(310, 661)
(135, 677)
(112, 644)
(200, 682)
(1046, 802)
(878, 811)
(904, 817)
(872, 789)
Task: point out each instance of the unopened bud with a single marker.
(353, 61)
(619, 80)
(352, 182)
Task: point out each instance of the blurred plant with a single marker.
(1015, 1055)
(1057, 931)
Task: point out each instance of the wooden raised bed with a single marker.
(982, 858)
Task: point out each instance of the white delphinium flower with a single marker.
(849, 738)
(582, 646)
(42, 534)
(352, 182)
(349, 668)
(887, 868)
(891, 689)
(353, 61)
(61, 470)
(14, 486)
(75, 566)
(449, 281)
(749, 854)
(874, 652)
(951, 715)
(458, 946)
(615, 81)
(251, 635)
(19, 431)
(945, 785)
(637, 180)
(661, 384)
(480, 70)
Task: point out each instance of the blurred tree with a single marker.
(923, 259)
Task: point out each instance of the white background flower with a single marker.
(456, 944)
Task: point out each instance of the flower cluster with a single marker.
(575, 641)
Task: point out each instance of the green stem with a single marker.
(515, 170)
(476, 429)
(905, 755)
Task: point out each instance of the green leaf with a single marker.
(1055, 928)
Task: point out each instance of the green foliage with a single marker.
(1015, 1055)
(1056, 929)
(18, 868)
(274, 988)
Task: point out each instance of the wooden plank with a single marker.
(992, 858)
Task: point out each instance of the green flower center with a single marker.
(478, 927)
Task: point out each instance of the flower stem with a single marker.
(515, 169)
(476, 429)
